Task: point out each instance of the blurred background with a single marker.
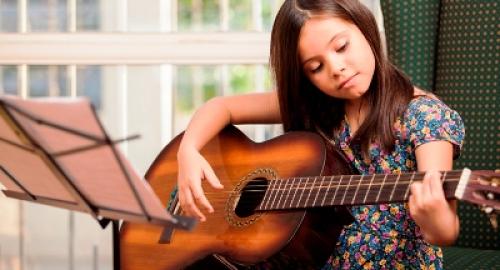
(146, 65)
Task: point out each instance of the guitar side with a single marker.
(307, 236)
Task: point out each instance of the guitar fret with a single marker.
(357, 188)
(381, 186)
(310, 191)
(336, 190)
(345, 192)
(276, 190)
(267, 195)
(305, 189)
(313, 187)
(403, 186)
(289, 191)
(318, 191)
(394, 188)
(327, 190)
(368, 191)
(282, 194)
(301, 193)
(295, 193)
(409, 184)
(285, 195)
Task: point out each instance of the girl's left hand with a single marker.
(431, 211)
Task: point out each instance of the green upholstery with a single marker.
(470, 259)
(411, 32)
(468, 79)
(463, 39)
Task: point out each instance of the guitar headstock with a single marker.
(483, 189)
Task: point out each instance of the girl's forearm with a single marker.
(207, 121)
(443, 232)
(218, 112)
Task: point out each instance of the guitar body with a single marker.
(306, 237)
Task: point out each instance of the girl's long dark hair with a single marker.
(304, 107)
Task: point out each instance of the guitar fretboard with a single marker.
(322, 191)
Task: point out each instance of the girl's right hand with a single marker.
(193, 168)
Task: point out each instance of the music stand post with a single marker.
(56, 152)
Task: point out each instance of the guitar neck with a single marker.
(346, 190)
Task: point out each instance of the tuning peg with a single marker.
(492, 214)
(494, 221)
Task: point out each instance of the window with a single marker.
(146, 65)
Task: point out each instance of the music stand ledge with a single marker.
(55, 151)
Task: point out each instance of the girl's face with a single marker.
(336, 57)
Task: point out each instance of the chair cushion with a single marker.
(469, 258)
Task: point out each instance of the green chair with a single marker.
(452, 47)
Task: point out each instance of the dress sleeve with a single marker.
(429, 119)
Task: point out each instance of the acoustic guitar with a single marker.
(280, 203)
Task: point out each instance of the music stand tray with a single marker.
(55, 151)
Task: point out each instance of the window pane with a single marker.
(47, 15)
(242, 79)
(88, 15)
(47, 81)
(89, 84)
(196, 84)
(268, 13)
(268, 81)
(240, 15)
(130, 100)
(8, 15)
(141, 15)
(145, 113)
(198, 15)
(144, 15)
(8, 80)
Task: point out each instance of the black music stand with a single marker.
(55, 151)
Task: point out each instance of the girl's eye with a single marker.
(317, 68)
(343, 47)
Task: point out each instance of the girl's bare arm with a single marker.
(436, 217)
(209, 120)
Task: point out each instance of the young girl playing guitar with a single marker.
(333, 78)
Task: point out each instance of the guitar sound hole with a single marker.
(251, 196)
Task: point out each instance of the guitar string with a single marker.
(348, 198)
(356, 178)
(346, 177)
(399, 186)
(352, 184)
(305, 204)
(333, 181)
(312, 187)
(325, 190)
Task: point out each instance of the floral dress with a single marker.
(384, 236)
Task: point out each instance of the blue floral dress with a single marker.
(384, 236)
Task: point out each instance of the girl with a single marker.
(333, 78)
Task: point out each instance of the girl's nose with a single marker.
(336, 65)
